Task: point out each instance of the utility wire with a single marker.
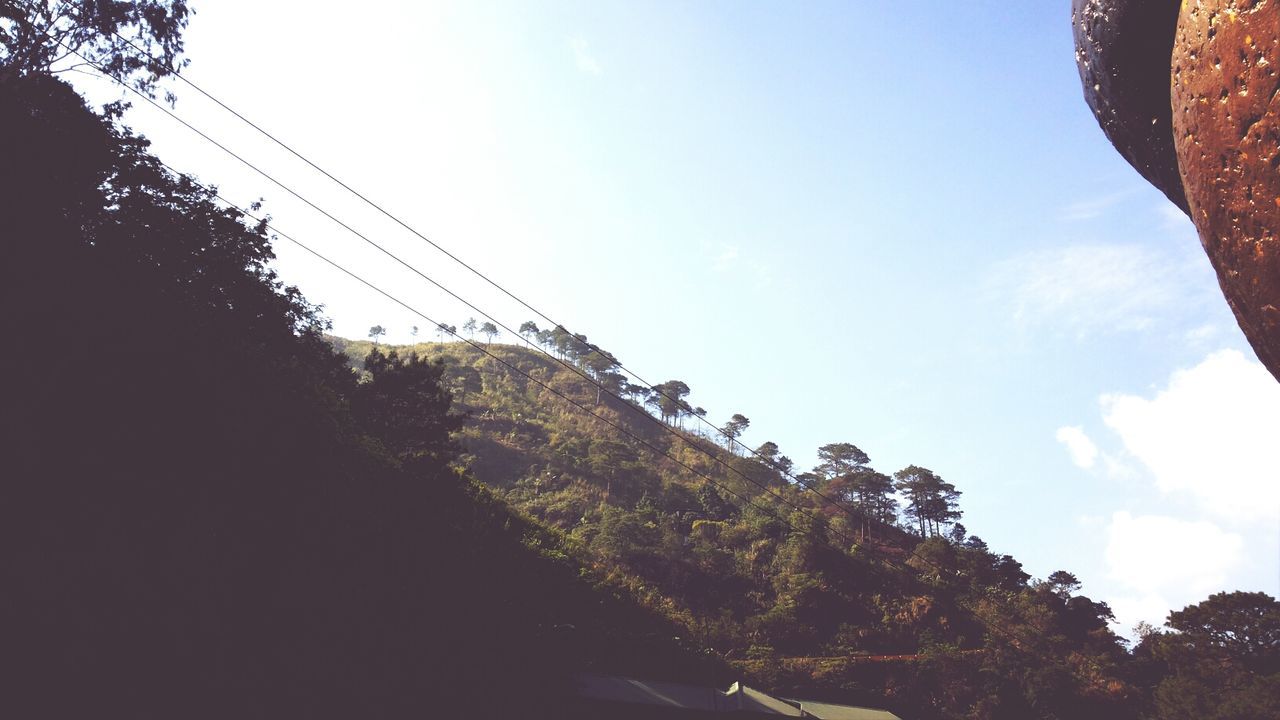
(858, 514)
(714, 458)
(854, 544)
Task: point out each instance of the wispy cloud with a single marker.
(727, 257)
(1097, 288)
(1094, 207)
(583, 57)
(731, 259)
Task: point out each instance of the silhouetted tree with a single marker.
(405, 406)
(839, 459)
(1062, 582)
(490, 331)
(602, 366)
(444, 330)
(931, 501)
(669, 399)
(35, 34)
(1223, 659)
(733, 429)
(376, 332)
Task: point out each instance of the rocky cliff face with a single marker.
(1187, 92)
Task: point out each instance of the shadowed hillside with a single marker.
(206, 515)
(796, 588)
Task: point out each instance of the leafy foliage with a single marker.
(765, 581)
(208, 501)
(137, 42)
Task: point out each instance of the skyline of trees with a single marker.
(912, 497)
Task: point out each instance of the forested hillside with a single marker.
(210, 508)
(844, 579)
(204, 514)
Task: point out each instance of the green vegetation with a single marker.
(838, 587)
(208, 511)
(205, 513)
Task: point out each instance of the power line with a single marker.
(859, 514)
(426, 277)
(672, 431)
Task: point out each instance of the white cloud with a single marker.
(583, 58)
(1164, 562)
(1210, 436)
(1133, 609)
(1083, 452)
(1091, 288)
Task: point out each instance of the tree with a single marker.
(443, 330)
(768, 450)
(469, 327)
(873, 494)
(376, 332)
(578, 348)
(931, 501)
(1061, 582)
(1242, 627)
(466, 381)
(561, 341)
(637, 393)
(490, 331)
(784, 464)
(713, 504)
(839, 459)
(733, 429)
(669, 399)
(413, 332)
(1223, 657)
(406, 407)
(35, 35)
(602, 366)
(529, 329)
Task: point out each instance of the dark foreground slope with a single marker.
(791, 589)
(803, 598)
(202, 514)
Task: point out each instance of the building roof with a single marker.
(648, 692)
(737, 699)
(741, 697)
(829, 711)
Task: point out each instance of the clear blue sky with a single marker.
(895, 225)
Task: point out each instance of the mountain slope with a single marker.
(779, 573)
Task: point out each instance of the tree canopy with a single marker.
(136, 42)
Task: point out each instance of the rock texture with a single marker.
(1226, 122)
(1122, 51)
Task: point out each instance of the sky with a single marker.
(891, 224)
